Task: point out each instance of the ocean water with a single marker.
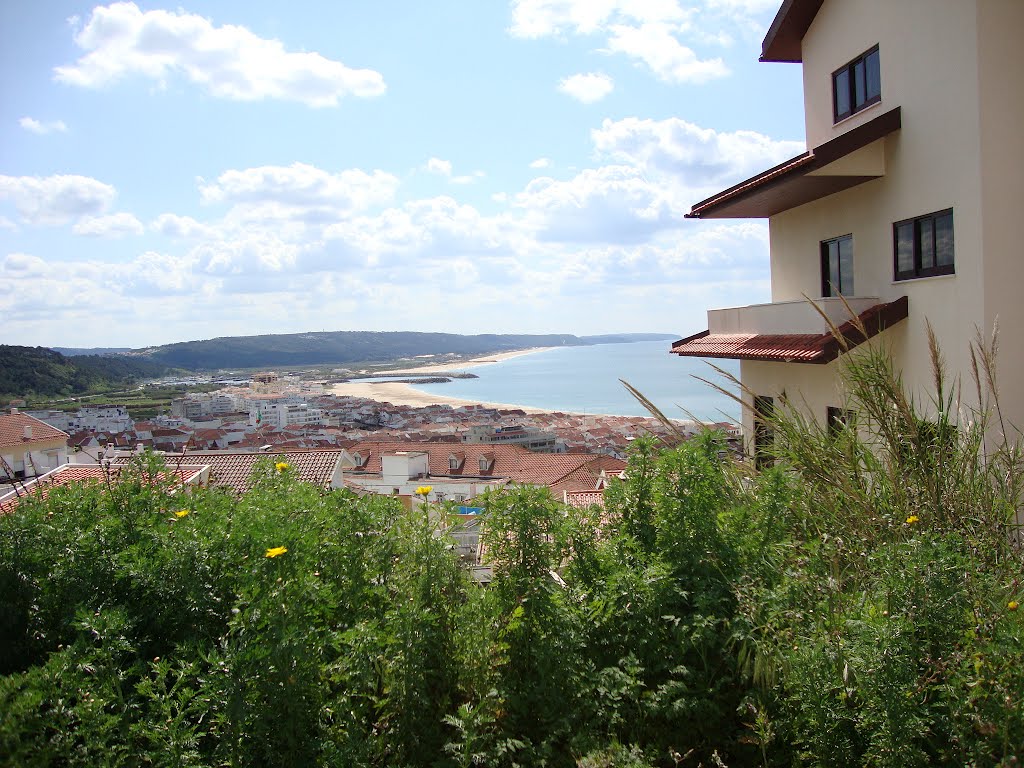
(586, 380)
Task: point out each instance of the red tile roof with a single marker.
(568, 471)
(72, 474)
(795, 347)
(234, 470)
(12, 431)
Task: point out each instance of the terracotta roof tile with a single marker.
(795, 347)
(513, 462)
(234, 469)
(12, 430)
(73, 474)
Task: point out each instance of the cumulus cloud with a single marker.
(438, 166)
(182, 227)
(657, 34)
(296, 201)
(226, 61)
(56, 200)
(658, 46)
(40, 128)
(541, 162)
(700, 159)
(608, 204)
(545, 18)
(113, 226)
(587, 88)
(301, 185)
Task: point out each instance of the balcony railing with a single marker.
(788, 317)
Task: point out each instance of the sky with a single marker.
(239, 167)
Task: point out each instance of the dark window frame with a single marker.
(764, 433)
(829, 287)
(925, 248)
(838, 420)
(845, 82)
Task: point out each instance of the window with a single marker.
(838, 419)
(453, 463)
(764, 435)
(837, 266)
(923, 247)
(856, 85)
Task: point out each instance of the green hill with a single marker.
(40, 371)
(346, 347)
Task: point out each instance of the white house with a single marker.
(905, 202)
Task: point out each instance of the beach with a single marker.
(403, 394)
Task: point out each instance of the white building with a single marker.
(279, 414)
(905, 202)
(103, 418)
(514, 434)
(403, 472)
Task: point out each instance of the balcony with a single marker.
(787, 317)
(793, 331)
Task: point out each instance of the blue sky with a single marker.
(175, 172)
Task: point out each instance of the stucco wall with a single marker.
(930, 68)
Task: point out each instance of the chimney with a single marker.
(28, 431)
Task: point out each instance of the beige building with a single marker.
(904, 204)
(29, 447)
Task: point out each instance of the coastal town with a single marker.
(465, 447)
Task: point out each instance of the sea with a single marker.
(587, 380)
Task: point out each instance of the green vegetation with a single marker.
(37, 371)
(854, 605)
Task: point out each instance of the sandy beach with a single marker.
(403, 394)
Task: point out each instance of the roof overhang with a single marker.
(786, 34)
(812, 348)
(838, 164)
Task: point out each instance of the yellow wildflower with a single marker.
(275, 551)
(912, 519)
(1013, 605)
(181, 513)
(281, 466)
(424, 490)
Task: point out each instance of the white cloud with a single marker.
(614, 204)
(438, 166)
(183, 227)
(658, 34)
(658, 46)
(112, 226)
(39, 128)
(541, 162)
(227, 61)
(55, 200)
(468, 178)
(587, 88)
(545, 18)
(291, 201)
(700, 159)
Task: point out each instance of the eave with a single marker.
(804, 178)
(811, 348)
(783, 43)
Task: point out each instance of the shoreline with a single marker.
(405, 394)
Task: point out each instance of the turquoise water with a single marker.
(586, 380)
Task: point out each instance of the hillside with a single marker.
(40, 371)
(349, 347)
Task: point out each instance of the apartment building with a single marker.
(904, 204)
